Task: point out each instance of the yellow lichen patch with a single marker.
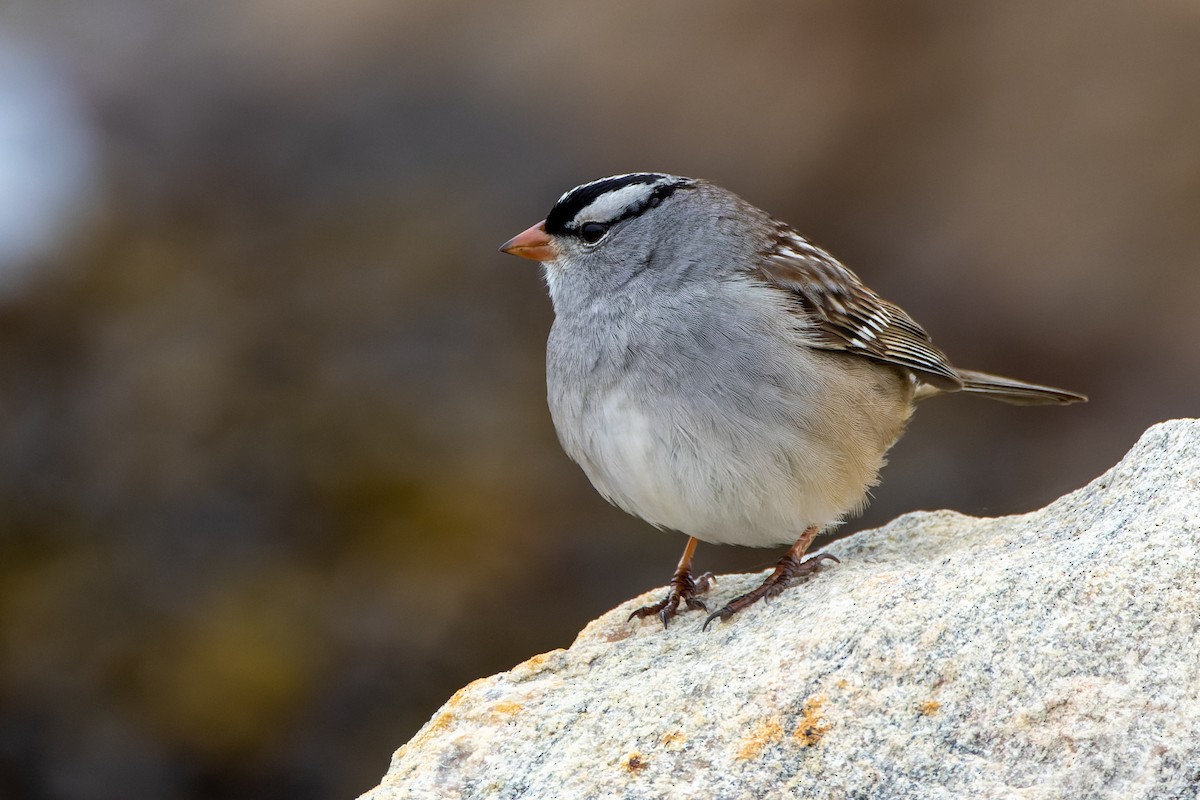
(673, 740)
(440, 722)
(812, 726)
(506, 709)
(765, 732)
(928, 708)
(462, 693)
(634, 763)
(540, 659)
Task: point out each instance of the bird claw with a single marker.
(683, 588)
(786, 571)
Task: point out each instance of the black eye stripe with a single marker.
(579, 198)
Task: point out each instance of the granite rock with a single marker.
(1046, 655)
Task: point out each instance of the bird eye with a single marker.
(592, 232)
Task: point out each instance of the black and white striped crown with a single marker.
(611, 200)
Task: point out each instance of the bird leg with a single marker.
(789, 567)
(683, 587)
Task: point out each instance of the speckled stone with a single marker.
(1048, 655)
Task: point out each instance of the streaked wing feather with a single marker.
(849, 316)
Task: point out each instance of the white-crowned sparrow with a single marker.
(715, 373)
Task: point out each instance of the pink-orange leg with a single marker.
(683, 588)
(793, 565)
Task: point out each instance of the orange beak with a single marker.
(533, 244)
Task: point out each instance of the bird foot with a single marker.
(788, 569)
(683, 589)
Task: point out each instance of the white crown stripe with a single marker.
(611, 205)
(584, 186)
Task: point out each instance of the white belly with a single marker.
(744, 484)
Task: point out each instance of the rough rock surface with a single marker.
(1046, 655)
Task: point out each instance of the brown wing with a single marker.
(849, 316)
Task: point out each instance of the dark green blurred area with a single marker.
(276, 472)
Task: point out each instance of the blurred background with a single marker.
(276, 470)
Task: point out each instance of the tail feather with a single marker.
(1016, 392)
